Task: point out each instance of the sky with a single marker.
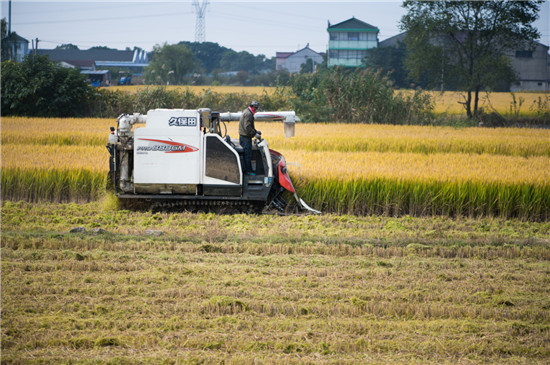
(259, 27)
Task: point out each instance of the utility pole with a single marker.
(9, 19)
(200, 9)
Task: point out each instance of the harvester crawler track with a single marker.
(278, 206)
(216, 206)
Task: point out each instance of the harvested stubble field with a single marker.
(142, 287)
(201, 288)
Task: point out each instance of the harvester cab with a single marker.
(184, 158)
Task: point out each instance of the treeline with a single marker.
(39, 87)
(208, 63)
(212, 58)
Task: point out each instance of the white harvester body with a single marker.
(181, 155)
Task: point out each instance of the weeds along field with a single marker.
(505, 103)
(252, 90)
(173, 288)
(343, 168)
(447, 103)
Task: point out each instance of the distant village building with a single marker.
(91, 61)
(15, 46)
(349, 42)
(532, 67)
(135, 60)
(293, 61)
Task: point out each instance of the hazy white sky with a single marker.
(259, 27)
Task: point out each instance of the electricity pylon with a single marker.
(200, 9)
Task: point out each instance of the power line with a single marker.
(100, 19)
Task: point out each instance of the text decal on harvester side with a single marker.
(182, 122)
(160, 145)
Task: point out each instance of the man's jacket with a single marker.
(246, 124)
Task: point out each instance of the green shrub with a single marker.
(358, 96)
(39, 87)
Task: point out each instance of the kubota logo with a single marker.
(182, 122)
(166, 146)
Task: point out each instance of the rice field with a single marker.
(359, 169)
(505, 103)
(402, 281)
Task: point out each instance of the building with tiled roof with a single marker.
(136, 59)
(15, 47)
(293, 61)
(349, 42)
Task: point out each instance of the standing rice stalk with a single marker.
(56, 185)
(397, 197)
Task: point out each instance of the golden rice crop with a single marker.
(345, 168)
(30, 156)
(420, 139)
(329, 165)
(448, 167)
(56, 131)
(441, 184)
(311, 137)
(66, 126)
(52, 184)
(506, 103)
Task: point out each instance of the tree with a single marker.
(464, 42)
(242, 61)
(105, 48)
(170, 64)
(6, 54)
(391, 61)
(208, 54)
(39, 87)
(308, 66)
(4, 27)
(67, 46)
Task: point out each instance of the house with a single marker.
(293, 61)
(349, 42)
(532, 66)
(133, 61)
(393, 41)
(98, 77)
(15, 47)
(87, 68)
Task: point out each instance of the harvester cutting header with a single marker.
(182, 159)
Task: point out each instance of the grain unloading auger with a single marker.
(180, 158)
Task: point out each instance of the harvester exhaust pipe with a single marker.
(288, 118)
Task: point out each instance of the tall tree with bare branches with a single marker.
(465, 42)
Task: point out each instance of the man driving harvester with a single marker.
(246, 133)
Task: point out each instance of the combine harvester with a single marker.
(181, 160)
